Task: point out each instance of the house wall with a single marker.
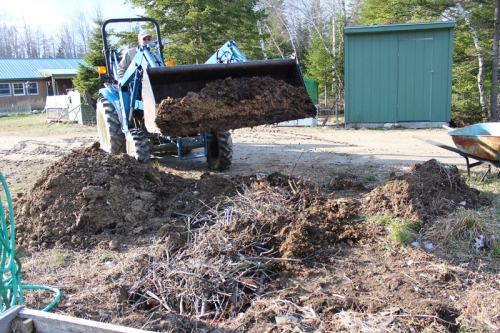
(32, 101)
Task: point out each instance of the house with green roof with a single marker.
(25, 83)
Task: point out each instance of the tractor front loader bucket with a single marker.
(183, 100)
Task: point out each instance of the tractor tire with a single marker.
(137, 145)
(220, 151)
(111, 137)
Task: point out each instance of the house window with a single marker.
(33, 88)
(18, 89)
(50, 89)
(5, 89)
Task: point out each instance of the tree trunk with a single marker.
(262, 44)
(494, 75)
(480, 58)
(274, 42)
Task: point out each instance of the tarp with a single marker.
(57, 102)
(56, 107)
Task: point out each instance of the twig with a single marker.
(296, 162)
(147, 321)
(427, 316)
(272, 259)
(411, 278)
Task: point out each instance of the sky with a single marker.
(51, 14)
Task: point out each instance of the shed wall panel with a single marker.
(398, 74)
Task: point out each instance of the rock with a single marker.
(428, 246)
(285, 319)
(137, 206)
(113, 245)
(147, 196)
(130, 218)
(93, 192)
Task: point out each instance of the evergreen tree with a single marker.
(87, 77)
(195, 29)
(319, 62)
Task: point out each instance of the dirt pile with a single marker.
(234, 103)
(429, 190)
(90, 197)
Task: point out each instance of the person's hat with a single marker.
(143, 34)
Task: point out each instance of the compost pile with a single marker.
(233, 103)
(90, 197)
(429, 190)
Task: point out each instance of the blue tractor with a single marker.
(126, 107)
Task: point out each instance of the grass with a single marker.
(105, 257)
(465, 329)
(59, 259)
(401, 232)
(458, 231)
(36, 126)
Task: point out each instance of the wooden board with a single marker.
(46, 322)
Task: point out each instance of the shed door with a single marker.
(415, 79)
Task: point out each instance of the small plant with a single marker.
(465, 329)
(402, 232)
(105, 257)
(496, 248)
(384, 220)
(59, 259)
(372, 178)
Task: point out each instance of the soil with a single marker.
(280, 242)
(229, 104)
(428, 191)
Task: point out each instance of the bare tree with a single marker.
(26, 41)
(83, 29)
(494, 75)
(480, 57)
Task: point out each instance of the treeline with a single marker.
(25, 41)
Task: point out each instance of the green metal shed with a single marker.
(312, 88)
(399, 74)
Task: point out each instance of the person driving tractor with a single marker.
(143, 39)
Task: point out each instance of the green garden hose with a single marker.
(11, 289)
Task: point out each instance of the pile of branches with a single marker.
(229, 259)
(236, 249)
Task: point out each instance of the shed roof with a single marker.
(35, 69)
(400, 27)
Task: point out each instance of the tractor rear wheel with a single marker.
(137, 145)
(220, 151)
(111, 137)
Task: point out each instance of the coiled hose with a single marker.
(11, 289)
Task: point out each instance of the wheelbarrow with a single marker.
(480, 142)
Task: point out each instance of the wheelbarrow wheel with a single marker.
(137, 145)
(111, 137)
(220, 151)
